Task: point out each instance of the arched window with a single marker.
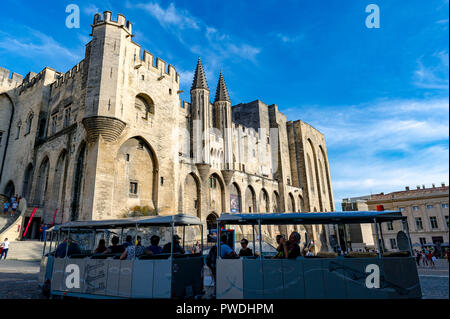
(27, 181)
(321, 173)
(310, 173)
(145, 104)
(77, 182)
(250, 200)
(29, 122)
(264, 202)
(191, 195)
(42, 182)
(276, 202)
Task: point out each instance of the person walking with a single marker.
(14, 207)
(417, 256)
(5, 246)
(41, 231)
(433, 259)
(424, 259)
(5, 208)
(430, 258)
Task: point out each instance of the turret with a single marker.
(222, 111)
(104, 56)
(200, 116)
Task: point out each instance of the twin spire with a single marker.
(200, 83)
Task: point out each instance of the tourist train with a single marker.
(322, 274)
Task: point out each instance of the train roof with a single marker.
(177, 220)
(356, 217)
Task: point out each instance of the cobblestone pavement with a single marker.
(19, 280)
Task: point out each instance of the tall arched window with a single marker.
(264, 202)
(42, 182)
(29, 122)
(310, 173)
(77, 182)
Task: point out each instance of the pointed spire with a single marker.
(199, 77)
(221, 91)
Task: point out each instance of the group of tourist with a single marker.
(127, 250)
(426, 257)
(11, 205)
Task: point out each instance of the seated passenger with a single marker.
(101, 248)
(154, 249)
(225, 251)
(133, 251)
(61, 249)
(280, 250)
(245, 251)
(291, 248)
(115, 248)
(128, 241)
(176, 246)
(197, 248)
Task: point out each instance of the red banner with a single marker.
(29, 222)
(54, 216)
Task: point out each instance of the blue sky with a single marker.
(380, 96)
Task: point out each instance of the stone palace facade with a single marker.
(112, 133)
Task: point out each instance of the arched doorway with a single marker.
(9, 189)
(264, 202)
(26, 186)
(191, 195)
(250, 200)
(78, 179)
(235, 198)
(211, 221)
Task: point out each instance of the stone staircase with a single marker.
(10, 225)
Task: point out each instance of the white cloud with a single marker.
(91, 9)
(38, 45)
(200, 38)
(170, 16)
(289, 39)
(186, 77)
(383, 146)
(433, 75)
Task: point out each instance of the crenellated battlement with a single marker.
(148, 60)
(145, 58)
(63, 78)
(8, 79)
(31, 79)
(106, 18)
